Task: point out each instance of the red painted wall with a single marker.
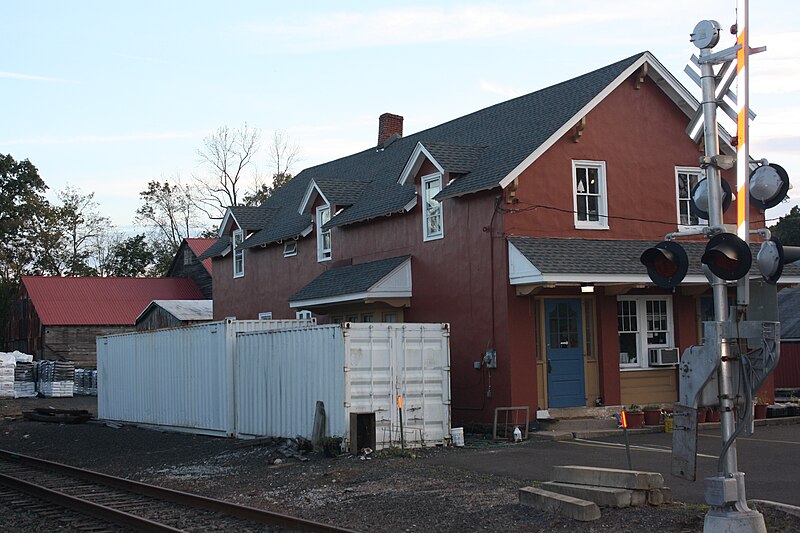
(463, 278)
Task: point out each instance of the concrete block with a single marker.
(655, 497)
(667, 493)
(602, 496)
(552, 502)
(638, 498)
(608, 477)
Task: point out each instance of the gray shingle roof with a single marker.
(217, 248)
(505, 133)
(252, 218)
(351, 279)
(341, 192)
(455, 158)
(589, 256)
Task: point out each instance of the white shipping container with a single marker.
(254, 378)
(178, 377)
(358, 368)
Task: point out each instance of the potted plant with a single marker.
(635, 416)
(331, 446)
(702, 414)
(652, 415)
(712, 414)
(760, 408)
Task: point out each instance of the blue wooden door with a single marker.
(564, 338)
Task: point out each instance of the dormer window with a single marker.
(433, 227)
(238, 253)
(323, 235)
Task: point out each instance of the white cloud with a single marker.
(423, 25)
(30, 77)
(494, 88)
(85, 139)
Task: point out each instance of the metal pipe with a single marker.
(726, 367)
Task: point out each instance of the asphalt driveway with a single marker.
(768, 458)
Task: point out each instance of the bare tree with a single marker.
(228, 155)
(283, 154)
(168, 209)
(82, 224)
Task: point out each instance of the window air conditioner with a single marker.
(665, 357)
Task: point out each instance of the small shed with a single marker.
(161, 314)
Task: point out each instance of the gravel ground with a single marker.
(388, 492)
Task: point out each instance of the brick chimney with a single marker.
(388, 125)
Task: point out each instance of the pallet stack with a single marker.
(56, 378)
(7, 364)
(85, 382)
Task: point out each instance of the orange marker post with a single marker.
(623, 418)
(400, 411)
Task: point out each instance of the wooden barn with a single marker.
(186, 264)
(55, 317)
(174, 313)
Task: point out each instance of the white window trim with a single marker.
(303, 314)
(266, 315)
(426, 234)
(641, 336)
(320, 233)
(287, 252)
(687, 170)
(602, 206)
(240, 234)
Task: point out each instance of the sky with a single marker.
(107, 96)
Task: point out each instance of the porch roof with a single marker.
(539, 260)
(382, 280)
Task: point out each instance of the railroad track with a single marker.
(91, 501)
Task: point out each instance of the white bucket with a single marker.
(458, 436)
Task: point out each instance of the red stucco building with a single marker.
(521, 225)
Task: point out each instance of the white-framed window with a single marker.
(685, 180)
(266, 315)
(432, 223)
(323, 235)
(238, 253)
(589, 194)
(304, 314)
(645, 325)
(289, 248)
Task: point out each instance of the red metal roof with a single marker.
(199, 246)
(102, 301)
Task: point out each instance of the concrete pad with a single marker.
(552, 502)
(608, 477)
(550, 435)
(602, 496)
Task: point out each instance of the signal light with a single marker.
(667, 264)
(771, 258)
(727, 256)
(699, 198)
(768, 186)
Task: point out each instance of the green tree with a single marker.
(787, 229)
(260, 195)
(130, 258)
(23, 212)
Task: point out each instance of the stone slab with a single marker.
(552, 502)
(602, 496)
(608, 477)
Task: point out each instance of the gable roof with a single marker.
(487, 149)
(101, 301)
(199, 247)
(220, 247)
(354, 280)
(184, 310)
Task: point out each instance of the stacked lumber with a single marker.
(7, 364)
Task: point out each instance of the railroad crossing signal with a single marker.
(667, 264)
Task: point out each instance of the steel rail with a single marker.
(179, 497)
(119, 518)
